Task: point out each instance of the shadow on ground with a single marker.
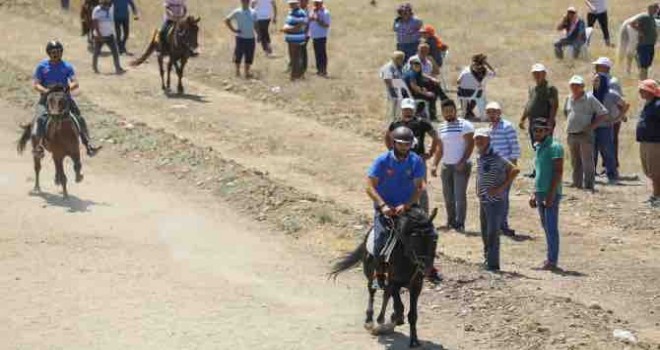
(73, 203)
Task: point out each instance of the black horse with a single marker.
(181, 43)
(414, 233)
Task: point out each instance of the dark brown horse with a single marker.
(61, 139)
(180, 44)
(86, 18)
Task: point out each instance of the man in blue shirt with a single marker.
(395, 183)
(295, 37)
(246, 19)
(50, 72)
(122, 21)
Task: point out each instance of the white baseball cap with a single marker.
(482, 132)
(571, 9)
(576, 79)
(603, 61)
(493, 105)
(538, 67)
(408, 103)
(292, 1)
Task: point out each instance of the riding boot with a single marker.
(84, 137)
(431, 273)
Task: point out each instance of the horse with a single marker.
(628, 40)
(61, 140)
(86, 19)
(412, 234)
(180, 44)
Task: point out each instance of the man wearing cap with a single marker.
(504, 142)
(580, 108)
(395, 182)
(319, 26)
(407, 26)
(598, 12)
(549, 163)
(542, 103)
(389, 72)
(648, 136)
(295, 37)
(603, 65)
(646, 27)
(420, 128)
(575, 33)
(494, 177)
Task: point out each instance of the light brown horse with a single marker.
(181, 43)
(61, 139)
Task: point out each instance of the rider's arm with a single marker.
(419, 187)
(36, 85)
(372, 182)
(73, 83)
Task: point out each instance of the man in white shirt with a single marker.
(598, 12)
(103, 24)
(391, 71)
(266, 13)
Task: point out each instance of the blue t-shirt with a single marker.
(410, 76)
(245, 19)
(648, 126)
(396, 179)
(121, 8)
(294, 18)
(49, 73)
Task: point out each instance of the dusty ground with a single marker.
(224, 162)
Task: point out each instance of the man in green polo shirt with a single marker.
(648, 35)
(547, 187)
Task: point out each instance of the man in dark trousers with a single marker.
(122, 21)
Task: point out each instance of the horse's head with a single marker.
(416, 229)
(189, 32)
(57, 100)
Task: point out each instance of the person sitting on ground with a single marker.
(422, 86)
(438, 48)
(51, 72)
(389, 72)
(472, 82)
(575, 33)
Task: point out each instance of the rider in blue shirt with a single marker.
(395, 183)
(50, 72)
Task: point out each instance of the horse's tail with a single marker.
(350, 260)
(25, 137)
(150, 49)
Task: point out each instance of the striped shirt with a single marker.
(491, 172)
(504, 140)
(294, 18)
(453, 143)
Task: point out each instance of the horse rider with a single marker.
(175, 10)
(395, 184)
(50, 72)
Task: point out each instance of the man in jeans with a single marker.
(407, 26)
(504, 141)
(295, 37)
(454, 149)
(104, 34)
(547, 187)
(494, 177)
(598, 12)
(580, 109)
(319, 24)
(575, 30)
(266, 12)
(122, 21)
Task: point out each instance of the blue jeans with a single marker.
(64, 4)
(561, 43)
(505, 215)
(491, 215)
(604, 144)
(550, 221)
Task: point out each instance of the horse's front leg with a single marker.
(415, 290)
(36, 159)
(162, 71)
(387, 293)
(60, 176)
(169, 71)
(77, 166)
(179, 72)
(397, 316)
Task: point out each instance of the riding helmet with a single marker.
(54, 45)
(403, 134)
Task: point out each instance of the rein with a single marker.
(407, 252)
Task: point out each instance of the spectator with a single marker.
(617, 108)
(122, 22)
(603, 66)
(454, 150)
(598, 11)
(648, 35)
(438, 49)
(407, 27)
(319, 24)
(295, 37)
(549, 163)
(580, 108)
(575, 35)
(504, 141)
(472, 83)
(304, 5)
(104, 34)
(422, 86)
(246, 19)
(542, 103)
(494, 177)
(266, 13)
(391, 71)
(423, 56)
(420, 128)
(648, 136)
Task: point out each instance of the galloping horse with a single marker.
(412, 234)
(61, 139)
(180, 44)
(86, 19)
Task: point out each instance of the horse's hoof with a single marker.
(79, 177)
(57, 182)
(369, 326)
(179, 90)
(397, 320)
(387, 328)
(414, 343)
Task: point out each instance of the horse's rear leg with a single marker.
(77, 167)
(60, 176)
(415, 290)
(37, 170)
(169, 71)
(162, 71)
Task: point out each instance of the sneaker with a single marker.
(508, 232)
(434, 276)
(548, 266)
(459, 228)
(613, 182)
(651, 200)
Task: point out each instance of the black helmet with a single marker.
(403, 134)
(54, 45)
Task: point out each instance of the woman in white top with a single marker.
(472, 84)
(266, 13)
